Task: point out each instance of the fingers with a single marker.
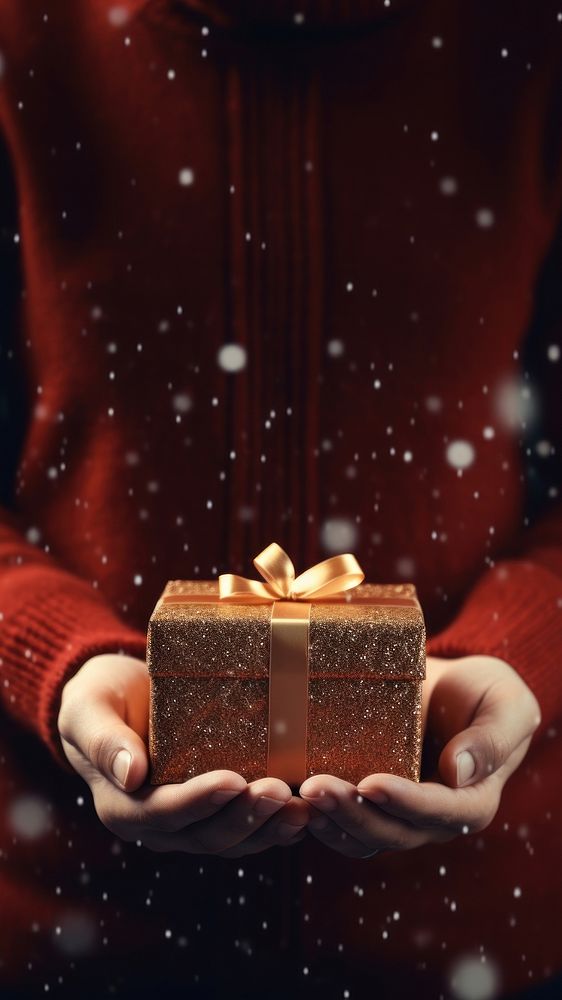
(107, 745)
(103, 719)
(188, 811)
(432, 806)
(348, 822)
(256, 844)
(504, 719)
(486, 715)
(285, 828)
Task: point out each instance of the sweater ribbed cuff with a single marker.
(513, 612)
(46, 641)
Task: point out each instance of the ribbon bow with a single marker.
(324, 579)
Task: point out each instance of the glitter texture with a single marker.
(209, 686)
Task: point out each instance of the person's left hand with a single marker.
(483, 716)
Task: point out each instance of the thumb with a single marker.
(116, 750)
(501, 723)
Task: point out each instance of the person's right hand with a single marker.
(103, 717)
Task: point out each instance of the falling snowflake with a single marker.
(485, 218)
(405, 567)
(29, 816)
(448, 185)
(75, 934)
(182, 402)
(186, 176)
(434, 404)
(460, 454)
(232, 357)
(335, 348)
(338, 534)
(118, 16)
(472, 978)
(514, 403)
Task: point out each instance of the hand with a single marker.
(482, 715)
(103, 718)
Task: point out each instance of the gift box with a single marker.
(321, 673)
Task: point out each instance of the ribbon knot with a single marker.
(325, 579)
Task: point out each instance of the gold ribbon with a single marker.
(290, 597)
(325, 579)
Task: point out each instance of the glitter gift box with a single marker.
(264, 684)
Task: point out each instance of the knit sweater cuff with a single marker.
(45, 642)
(513, 612)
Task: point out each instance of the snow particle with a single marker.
(517, 892)
(460, 454)
(118, 16)
(33, 535)
(405, 567)
(485, 218)
(553, 352)
(29, 817)
(76, 934)
(232, 357)
(448, 185)
(473, 979)
(515, 404)
(434, 136)
(437, 42)
(338, 534)
(433, 404)
(544, 448)
(335, 348)
(407, 456)
(186, 176)
(137, 580)
(488, 433)
(182, 402)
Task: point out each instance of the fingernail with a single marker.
(121, 765)
(224, 795)
(265, 805)
(289, 829)
(377, 796)
(466, 766)
(323, 801)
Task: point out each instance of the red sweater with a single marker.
(365, 197)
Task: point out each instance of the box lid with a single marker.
(361, 635)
